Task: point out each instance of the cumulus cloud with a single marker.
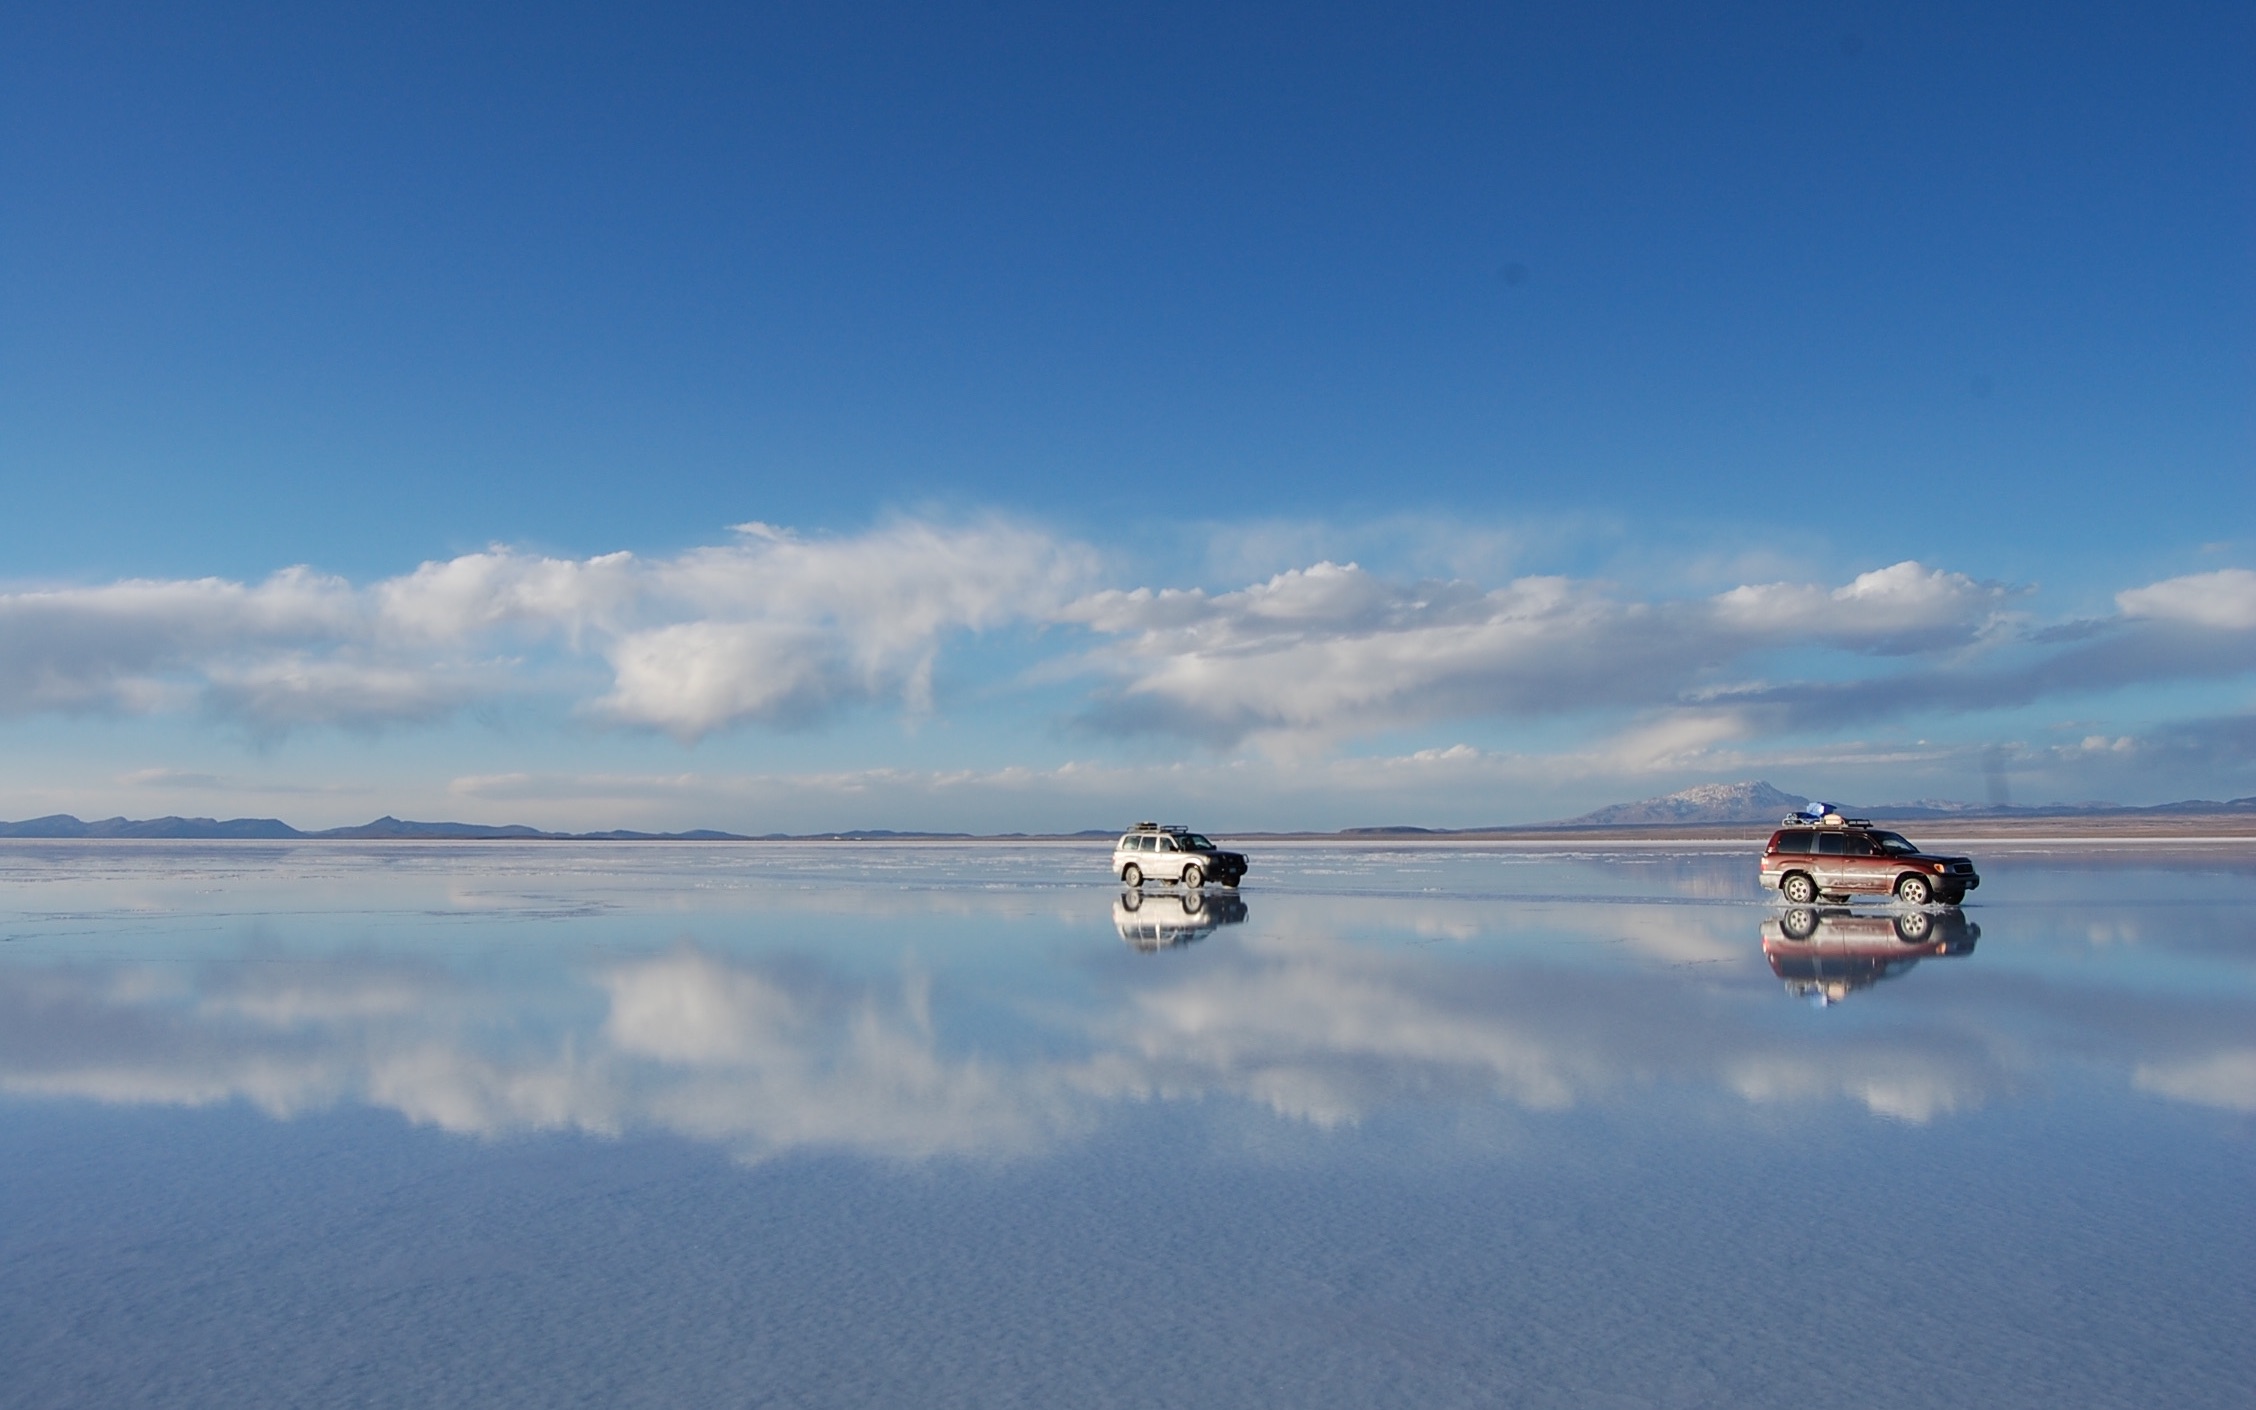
(126, 645)
(290, 689)
(1901, 608)
(2086, 658)
(2224, 600)
(694, 677)
(779, 630)
(769, 628)
(1334, 650)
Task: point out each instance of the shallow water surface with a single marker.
(922, 1125)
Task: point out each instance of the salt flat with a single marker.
(931, 1124)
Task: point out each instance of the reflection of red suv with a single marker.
(1826, 955)
(1844, 856)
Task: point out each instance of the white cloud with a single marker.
(295, 688)
(1905, 606)
(779, 629)
(122, 646)
(694, 677)
(770, 628)
(776, 630)
(1332, 650)
(1677, 739)
(454, 600)
(2224, 600)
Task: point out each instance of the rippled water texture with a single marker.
(847, 1125)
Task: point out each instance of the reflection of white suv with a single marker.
(1163, 922)
(1150, 852)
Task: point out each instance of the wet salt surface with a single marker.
(939, 1125)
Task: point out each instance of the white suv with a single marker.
(1150, 852)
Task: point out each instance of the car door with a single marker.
(1831, 864)
(1168, 863)
(1865, 869)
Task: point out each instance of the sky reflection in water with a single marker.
(1449, 1126)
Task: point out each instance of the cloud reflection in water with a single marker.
(1321, 1009)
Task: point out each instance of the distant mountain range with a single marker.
(64, 825)
(1752, 802)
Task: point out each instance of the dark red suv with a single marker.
(1848, 856)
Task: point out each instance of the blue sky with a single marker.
(1267, 415)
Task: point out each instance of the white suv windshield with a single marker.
(1197, 843)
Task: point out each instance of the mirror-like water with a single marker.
(933, 1125)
